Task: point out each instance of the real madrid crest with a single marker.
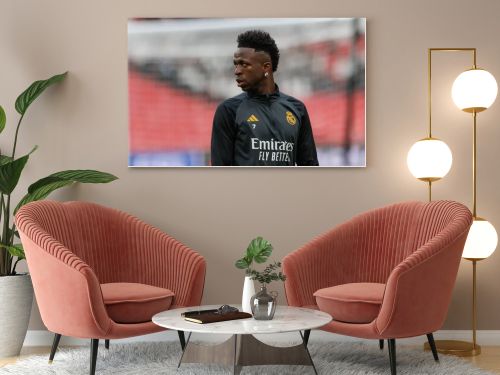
(290, 118)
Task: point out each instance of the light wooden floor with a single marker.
(488, 360)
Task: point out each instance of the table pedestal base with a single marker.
(246, 350)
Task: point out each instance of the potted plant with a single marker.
(263, 304)
(16, 291)
(259, 250)
(269, 274)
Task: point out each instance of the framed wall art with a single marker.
(247, 92)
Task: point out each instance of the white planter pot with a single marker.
(16, 298)
(248, 292)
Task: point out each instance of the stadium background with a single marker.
(181, 69)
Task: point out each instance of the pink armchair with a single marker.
(100, 273)
(385, 274)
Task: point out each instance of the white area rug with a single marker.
(162, 358)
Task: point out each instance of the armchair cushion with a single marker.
(351, 303)
(134, 302)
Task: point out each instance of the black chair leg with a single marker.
(94, 345)
(381, 344)
(392, 355)
(55, 344)
(307, 333)
(182, 339)
(106, 344)
(432, 344)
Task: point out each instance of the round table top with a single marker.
(286, 319)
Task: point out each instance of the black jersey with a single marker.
(259, 130)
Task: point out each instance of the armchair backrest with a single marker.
(433, 219)
(117, 247)
(96, 234)
(73, 247)
(379, 241)
(386, 236)
(368, 247)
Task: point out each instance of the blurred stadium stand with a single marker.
(181, 69)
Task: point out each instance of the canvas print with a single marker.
(246, 92)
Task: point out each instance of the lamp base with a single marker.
(454, 347)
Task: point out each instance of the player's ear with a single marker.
(268, 67)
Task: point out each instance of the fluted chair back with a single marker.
(368, 247)
(73, 248)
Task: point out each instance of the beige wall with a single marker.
(83, 124)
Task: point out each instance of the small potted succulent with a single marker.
(262, 304)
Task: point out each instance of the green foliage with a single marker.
(259, 250)
(15, 250)
(10, 173)
(269, 274)
(43, 187)
(36, 88)
(3, 119)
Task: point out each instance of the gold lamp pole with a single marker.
(467, 350)
(473, 91)
(429, 159)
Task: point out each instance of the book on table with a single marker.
(212, 316)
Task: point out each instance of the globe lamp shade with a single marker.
(474, 90)
(429, 159)
(481, 241)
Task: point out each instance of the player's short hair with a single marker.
(260, 41)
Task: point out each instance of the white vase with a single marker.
(16, 298)
(248, 292)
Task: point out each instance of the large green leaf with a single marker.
(86, 176)
(15, 250)
(10, 173)
(3, 119)
(242, 263)
(4, 159)
(43, 187)
(42, 193)
(259, 250)
(31, 93)
(75, 175)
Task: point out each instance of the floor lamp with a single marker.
(473, 91)
(429, 159)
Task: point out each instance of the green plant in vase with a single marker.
(16, 291)
(258, 250)
(262, 305)
(10, 173)
(269, 274)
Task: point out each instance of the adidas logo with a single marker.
(252, 118)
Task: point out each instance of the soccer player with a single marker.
(262, 126)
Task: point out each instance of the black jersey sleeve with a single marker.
(223, 136)
(306, 148)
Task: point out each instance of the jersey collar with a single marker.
(265, 97)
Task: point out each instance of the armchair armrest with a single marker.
(165, 262)
(419, 289)
(323, 262)
(68, 293)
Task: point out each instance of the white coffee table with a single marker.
(242, 348)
